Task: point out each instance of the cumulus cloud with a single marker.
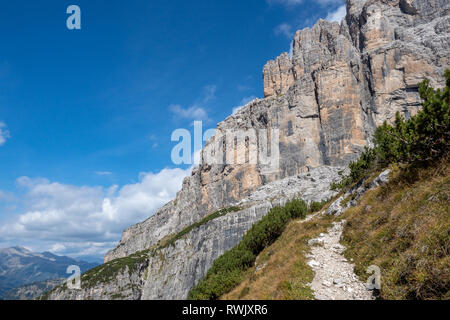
(337, 15)
(57, 247)
(194, 112)
(87, 220)
(197, 111)
(285, 2)
(291, 3)
(4, 133)
(103, 173)
(284, 29)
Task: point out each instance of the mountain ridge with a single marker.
(342, 81)
(20, 266)
(326, 114)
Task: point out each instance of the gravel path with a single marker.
(334, 277)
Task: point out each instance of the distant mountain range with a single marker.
(20, 267)
(31, 291)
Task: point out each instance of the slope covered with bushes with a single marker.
(229, 269)
(403, 227)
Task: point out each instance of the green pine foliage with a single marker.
(422, 138)
(220, 213)
(316, 206)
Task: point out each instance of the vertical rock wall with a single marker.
(342, 81)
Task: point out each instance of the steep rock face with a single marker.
(278, 75)
(170, 271)
(176, 269)
(341, 82)
(125, 284)
(401, 43)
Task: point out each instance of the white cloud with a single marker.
(243, 102)
(337, 15)
(4, 133)
(329, 2)
(243, 87)
(285, 2)
(154, 140)
(209, 93)
(291, 3)
(197, 111)
(194, 112)
(284, 29)
(87, 220)
(57, 247)
(6, 196)
(103, 173)
(236, 109)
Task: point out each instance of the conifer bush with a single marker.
(422, 138)
(228, 270)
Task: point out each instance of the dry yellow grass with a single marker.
(281, 271)
(404, 228)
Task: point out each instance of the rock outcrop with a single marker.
(325, 101)
(351, 197)
(170, 271)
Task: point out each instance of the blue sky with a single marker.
(86, 115)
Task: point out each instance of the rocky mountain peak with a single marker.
(342, 80)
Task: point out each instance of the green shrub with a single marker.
(422, 138)
(171, 241)
(228, 269)
(316, 206)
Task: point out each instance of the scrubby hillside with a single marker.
(31, 291)
(342, 81)
(401, 226)
(404, 228)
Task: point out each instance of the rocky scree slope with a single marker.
(340, 83)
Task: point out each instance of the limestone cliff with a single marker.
(340, 83)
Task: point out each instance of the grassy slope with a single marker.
(285, 274)
(403, 227)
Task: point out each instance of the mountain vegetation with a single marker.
(421, 139)
(403, 227)
(229, 269)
